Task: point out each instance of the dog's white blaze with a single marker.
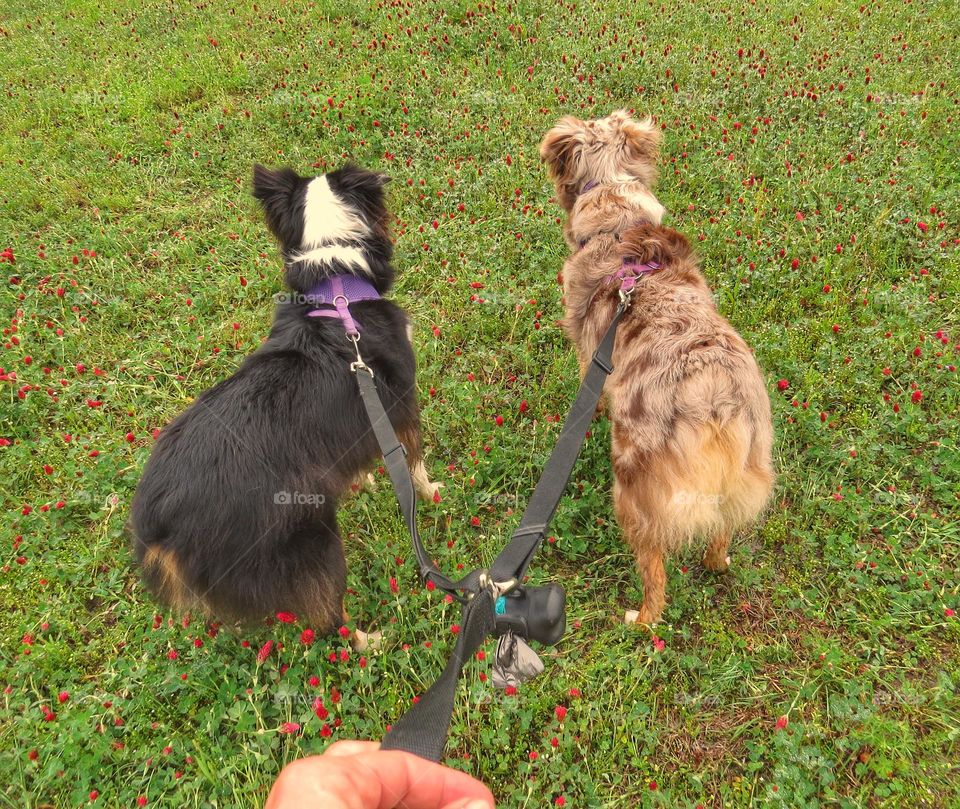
(326, 255)
(326, 218)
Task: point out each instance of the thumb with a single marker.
(469, 803)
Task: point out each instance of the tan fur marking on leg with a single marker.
(654, 575)
(421, 480)
(426, 489)
(161, 565)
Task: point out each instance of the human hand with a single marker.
(358, 775)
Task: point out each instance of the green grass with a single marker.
(130, 128)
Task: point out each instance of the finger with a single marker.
(468, 803)
(387, 778)
(307, 784)
(373, 780)
(350, 747)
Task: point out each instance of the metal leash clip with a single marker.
(496, 588)
(359, 365)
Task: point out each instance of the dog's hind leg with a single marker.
(308, 578)
(426, 488)
(717, 557)
(633, 506)
(654, 576)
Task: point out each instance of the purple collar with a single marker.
(588, 187)
(340, 291)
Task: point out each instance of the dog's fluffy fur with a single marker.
(691, 431)
(235, 513)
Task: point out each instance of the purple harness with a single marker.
(629, 272)
(340, 291)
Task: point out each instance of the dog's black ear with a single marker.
(351, 178)
(269, 184)
(361, 189)
(275, 189)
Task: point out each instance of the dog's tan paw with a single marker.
(367, 641)
(642, 617)
(716, 564)
(428, 490)
(363, 481)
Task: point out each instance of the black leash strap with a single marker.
(423, 729)
(395, 460)
(516, 556)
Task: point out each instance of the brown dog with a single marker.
(689, 409)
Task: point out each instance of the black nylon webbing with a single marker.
(423, 729)
(394, 459)
(515, 557)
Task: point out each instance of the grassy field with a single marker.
(811, 154)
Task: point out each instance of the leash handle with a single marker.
(423, 729)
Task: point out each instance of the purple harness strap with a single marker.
(629, 272)
(340, 291)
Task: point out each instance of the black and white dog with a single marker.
(235, 513)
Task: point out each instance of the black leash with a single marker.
(494, 601)
(394, 459)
